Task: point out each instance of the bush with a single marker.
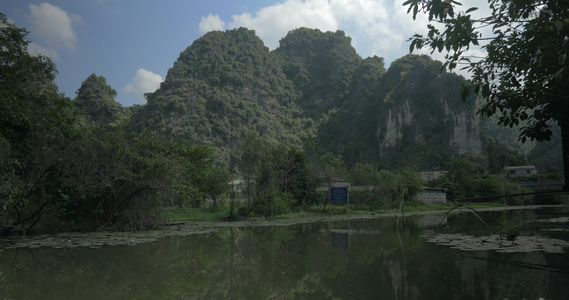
(273, 204)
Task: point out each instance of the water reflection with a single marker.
(357, 259)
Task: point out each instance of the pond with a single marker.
(419, 257)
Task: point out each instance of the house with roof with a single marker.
(428, 176)
(517, 171)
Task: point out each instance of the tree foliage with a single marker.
(36, 123)
(462, 180)
(113, 179)
(276, 176)
(216, 182)
(59, 172)
(377, 189)
(524, 74)
(193, 165)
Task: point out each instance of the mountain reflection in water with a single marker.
(356, 259)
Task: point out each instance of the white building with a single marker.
(428, 176)
(432, 195)
(515, 171)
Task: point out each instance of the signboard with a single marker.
(339, 195)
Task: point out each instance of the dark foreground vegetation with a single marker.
(80, 165)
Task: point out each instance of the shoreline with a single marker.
(108, 238)
(325, 217)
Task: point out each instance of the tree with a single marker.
(193, 164)
(276, 176)
(114, 179)
(461, 178)
(252, 150)
(409, 183)
(368, 179)
(461, 170)
(524, 75)
(216, 182)
(36, 125)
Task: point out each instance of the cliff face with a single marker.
(412, 114)
(462, 131)
(421, 108)
(466, 137)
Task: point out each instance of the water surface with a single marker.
(357, 259)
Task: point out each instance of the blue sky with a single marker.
(133, 43)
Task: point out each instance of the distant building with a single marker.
(335, 182)
(429, 176)
(237, 185)
(433, 195)
(516, 171)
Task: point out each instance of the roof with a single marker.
(512, 168)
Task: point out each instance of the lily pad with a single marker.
(555, 220)
(499, 243)
(97, 239)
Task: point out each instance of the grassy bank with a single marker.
(221, 211)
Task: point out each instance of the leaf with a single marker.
(471, 9)
(415, 10)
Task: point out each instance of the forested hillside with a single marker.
(320, 65)
(221, 87)
(97, 99)
(315, 90)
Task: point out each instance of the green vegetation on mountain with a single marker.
(97, 99)
(222, 86)
(314, 92)
(321, 65)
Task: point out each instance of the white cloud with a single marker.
(53, 25)
(211, 23)
(35, 49)
(274, 22)
(376, 26)
(143, 82)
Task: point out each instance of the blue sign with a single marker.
(339, 195)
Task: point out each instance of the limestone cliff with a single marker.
(412, 115)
